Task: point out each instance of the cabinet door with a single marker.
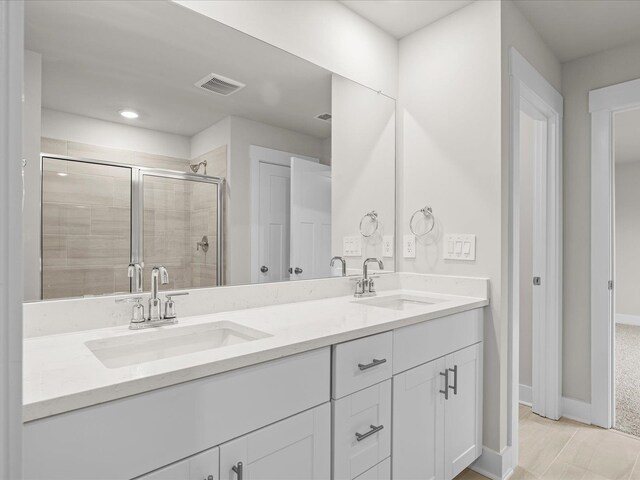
(463, 410)
(205, 465)
(382, 471)
(418, 423)
(175, 471)
(298, 448)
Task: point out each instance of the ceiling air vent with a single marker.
(325, 117)
(218, 84)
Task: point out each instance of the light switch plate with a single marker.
(387, 246)
(459, 246)
(352, 246)
(409, 246)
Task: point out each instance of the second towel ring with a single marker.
(373, 220)
(428, 215)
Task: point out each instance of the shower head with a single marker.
(196, 167)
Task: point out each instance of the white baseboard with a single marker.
(576, 410)
(494, 465)
(628, 319)
(526, 395)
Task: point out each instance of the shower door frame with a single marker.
(137, 207)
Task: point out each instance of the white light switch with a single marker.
(387, 246)
(409, 246)
(460, 247)
(351, 246)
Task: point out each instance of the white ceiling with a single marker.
(402, 17)
(627, 136)
(102, 56)
(575, 28)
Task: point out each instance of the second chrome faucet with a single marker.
(365, 287)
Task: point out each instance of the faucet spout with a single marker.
(159, 273)
(343, 262)
(365, 266)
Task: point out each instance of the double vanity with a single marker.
(334, 387)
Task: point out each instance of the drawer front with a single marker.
(361, 363)
(426, 341)
(361, 431)
(382, 471)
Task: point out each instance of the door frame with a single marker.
(528, 86)
(257, 155)
(603, 103)
(11, 274)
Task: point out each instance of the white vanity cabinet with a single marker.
(203, 466)
(292, 449)
(437, 416)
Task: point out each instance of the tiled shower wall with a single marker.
(86, 221)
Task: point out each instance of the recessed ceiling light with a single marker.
(129, 114)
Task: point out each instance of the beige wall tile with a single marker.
(54, 250)
(66, 219)
(53, 146)
(95, 250)
(72, 282)
(54, 165)
(95, 152)
(160, 161)
(77, 189)
(122, 193)
(85, 168)
(114, 221)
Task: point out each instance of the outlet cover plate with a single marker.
(387, 246)
(460, 246)
(409, 246)
(352, 246)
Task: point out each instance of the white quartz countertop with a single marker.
(62, 374)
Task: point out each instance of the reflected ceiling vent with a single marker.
(218, 84)
(325, 117)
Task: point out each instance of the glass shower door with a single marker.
(86, 228)
(180, 222)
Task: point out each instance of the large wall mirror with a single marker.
(154, 135)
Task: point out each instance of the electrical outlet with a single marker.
(352, 246)
(409, 246)
(387, 246)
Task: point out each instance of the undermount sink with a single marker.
(400, 302)
(162, 343)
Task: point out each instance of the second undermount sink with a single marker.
(162, 343)
(400, 302)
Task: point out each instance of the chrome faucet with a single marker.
(365, 286)
(134, 271)
(155, 306)
(343, 262)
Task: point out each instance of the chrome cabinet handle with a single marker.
(297, 271)
(375, 363)
(264, 269)
(445, 374)
(374, 429)
(455, 379)
(238, 470)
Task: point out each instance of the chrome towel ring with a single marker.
(428, 215)
(373, 222)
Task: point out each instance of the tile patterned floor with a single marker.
(567, 450)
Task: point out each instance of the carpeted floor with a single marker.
(628, 379)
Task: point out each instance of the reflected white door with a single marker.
(310, 219)
(274, 223)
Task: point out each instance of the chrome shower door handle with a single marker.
(238, 470)
(445, 374)
(455, 379)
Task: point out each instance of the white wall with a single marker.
(77, 128)
(578, 77)
(245, 133)
(627, 233)
(527, 143)
(324, 32)
(31, 153)
(450, 158)
(363, 167)
(211, 138)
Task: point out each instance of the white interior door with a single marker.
(310, 219)
(274, 223)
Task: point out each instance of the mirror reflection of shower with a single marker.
(196, 166)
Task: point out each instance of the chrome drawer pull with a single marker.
(455, 379)
(445, 374)
(238, 470)
(374, 429)
(375, 363)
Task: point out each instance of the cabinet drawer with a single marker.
(361, 431)
(382, 471)
(361, 363)
(426, 341)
